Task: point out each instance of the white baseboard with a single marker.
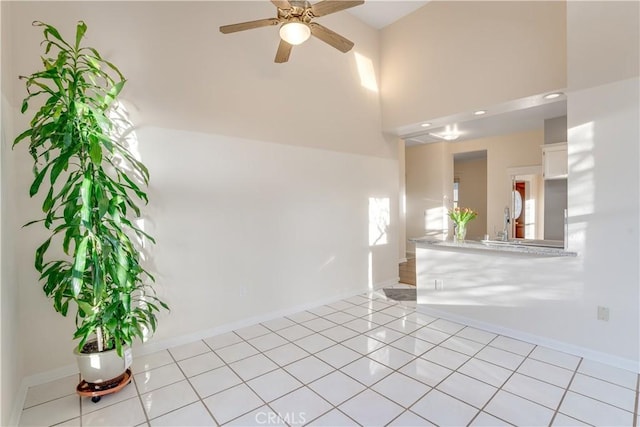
(34, 380)
(155, 346)
(402, 260)
(152, 347)
(608, 359)
(18, 404)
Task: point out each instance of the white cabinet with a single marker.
(554, 160)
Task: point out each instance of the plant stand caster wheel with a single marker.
(96, 390)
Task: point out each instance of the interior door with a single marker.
(519, 192)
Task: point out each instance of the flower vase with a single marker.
(460, 232)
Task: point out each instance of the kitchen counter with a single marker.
(494, 246)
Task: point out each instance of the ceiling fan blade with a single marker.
(281, 4)
(226, 29)
(331, 6)
(331, 38)
(284, 50)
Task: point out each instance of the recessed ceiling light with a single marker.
(447, 136)
(450, 133)
(425, 125)
(553, 95)
(480, 112)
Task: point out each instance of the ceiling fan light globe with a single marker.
(295, 33)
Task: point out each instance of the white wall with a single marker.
(261, 173)
(11, 367)
(402, 215)
(269, 227)
(455, 56)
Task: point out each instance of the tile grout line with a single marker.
(566, 391)
(174, 362)
(244, 382)
(80, 397)
(635, 409)
(135, 385)
(482, 409)
(366, 387)
(225, 364)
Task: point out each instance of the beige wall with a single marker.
(472, 193)
(454, 56)
(427, 195)
(606, 55)
(184, 74)
(430, 178)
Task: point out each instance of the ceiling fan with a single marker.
(296, 24)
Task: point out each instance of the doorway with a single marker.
(519, 214)
(527, 202)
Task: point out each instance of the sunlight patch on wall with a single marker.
(370, 271)
(330, 260)
(530, 215)
(124, 132)
(379, 220)
(367, 72)
(494, 280)
(435, 222)
(581, 169)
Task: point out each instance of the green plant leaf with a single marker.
(22, 136)
(95, 152)
(64, 308)
(81, 28)
(85, 307)
(78, 267)
(85, 195)
(62, 163)
(114, 92)
(48, 201)
(40, 254)
(35, 186)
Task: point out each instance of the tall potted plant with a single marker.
(92, 184)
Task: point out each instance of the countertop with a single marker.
(494, 247)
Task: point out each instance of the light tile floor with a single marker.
(363, 361)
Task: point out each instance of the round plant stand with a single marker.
(96, 390)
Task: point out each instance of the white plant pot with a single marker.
(103, 366)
